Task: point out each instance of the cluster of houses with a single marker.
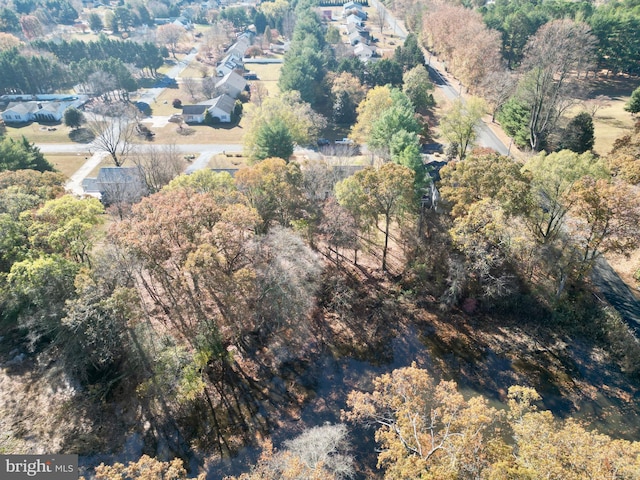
(38, 108)
(359, 35)
(228, 87)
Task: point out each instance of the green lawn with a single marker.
(67, 163)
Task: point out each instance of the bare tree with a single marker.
(497, 87)
(208, 87)
(101, 83)
(258, 93)
(592, 105)
(191, 85)
(379, 17)
(158, 165)
(170, 34)
(553, 57)
(324, 446)
(114, 128)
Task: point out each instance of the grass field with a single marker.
(268, 75)
(196, 134)
(38, 133)
(67, 163)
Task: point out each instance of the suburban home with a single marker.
(351, 28)
(183, 22)
(228, 64)
(354, 19)
(220, 107)
(19, 112)
(356, 38)
(364, 52)
(353, 8)
(239, 48)
(116, 185)
(194, 113)
(231, 84)
(41, 108)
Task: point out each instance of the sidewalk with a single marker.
(74, 185)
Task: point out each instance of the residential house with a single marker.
(19, 112)
(220, 107)
(354, 19)
(364, 52)
(356, 38)
(239, 48)
(194, 113)
(228, 64)
(183, 22)
(117, 185)
(353, 28)
(234, 56)
(231, 84)
(41, 108)
(353, 8)
(50, 112)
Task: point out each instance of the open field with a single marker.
(66, 163)
(200, 134)
(268, 75)
(38, 133)
(235, 160)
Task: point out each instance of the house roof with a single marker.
(354, 19)
(352, 5)
(22, 107)
(53, 107)
(355, 36)
(193, 109)
(223, 102)
(362, 48)
(232, 79)
(118, 175)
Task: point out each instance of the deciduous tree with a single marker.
(386, 191)
(113, 129)
(553, 57)
(460, 122)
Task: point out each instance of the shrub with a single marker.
(177, 103)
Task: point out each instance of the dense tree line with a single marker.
(143, 55)
(42, 73)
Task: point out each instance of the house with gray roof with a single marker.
(117, 185)
(220, 107)
(231, 84)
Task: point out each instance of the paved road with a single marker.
(617, 293)
(192, 148)
(486, 137)
(150, 95)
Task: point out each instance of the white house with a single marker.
(231, 84)
(239, 48)
(220, 107)
(228, 64)
(364, 52)
(194, 113)
(351, 7)
(40, 108)
(117, 185)
(20, 112)
(354, 19)
(356, 37)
